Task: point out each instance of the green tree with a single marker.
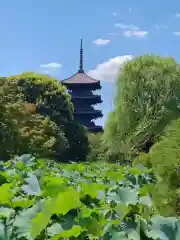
(22, 130)
(49, 95)
(97, 149)
(78, 142)
(11, 113)
(51, 99)
(42, 137)
(164, 159)
(147, 99)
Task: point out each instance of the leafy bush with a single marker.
(164, 157)
(147, 99)
(97, 149)
(51, 99)
(24, 131)
(42, 137)
(78, 142)
(42, 201)
(49, 95)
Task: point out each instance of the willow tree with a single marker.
(147, 99)
(51, 99)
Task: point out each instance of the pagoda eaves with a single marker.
(81, 78)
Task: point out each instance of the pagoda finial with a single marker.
(81, 59)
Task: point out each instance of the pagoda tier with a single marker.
(95, 129)
(89, 124)
(89, 100)
(78, 96)
(81, 86)
(94, 114)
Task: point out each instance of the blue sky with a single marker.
(37, 33)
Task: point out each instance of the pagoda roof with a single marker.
(80, 78)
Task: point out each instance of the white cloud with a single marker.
(126, 26)
(101, 41)
(108, 70)
(176, 33)
(135, 33)
(51, 65)
(52, 68)
(161, 26)
(177, 15)
(130, 30)
(114, 14)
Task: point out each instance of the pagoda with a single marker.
(81, 86)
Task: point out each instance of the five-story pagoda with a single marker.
(81, 87)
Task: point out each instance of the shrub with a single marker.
(96, 147)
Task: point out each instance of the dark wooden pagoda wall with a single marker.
(84, 101)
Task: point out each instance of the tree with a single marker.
(48, 94)
(11, 110)
(97, 149)
(52, 100)
(164, 157)
(78, 142)
(22, 130)
(42, 137)
(147, 99)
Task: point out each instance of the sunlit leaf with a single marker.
(55, 229)
(146, 200)
(74, 232)
(124, 195)
(122, 210)
(66, 201)
(22, 202)
(6, 193)
(32, 186)
(40, 222)
(23, 221)
(5, 212)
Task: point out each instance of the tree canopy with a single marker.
(49, 95)
(22, 130)
(147, 99)
(52, 99)
(164, 159)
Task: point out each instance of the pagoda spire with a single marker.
(81, 70)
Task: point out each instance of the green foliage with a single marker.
(165, 160)
(42, 201)
(49, 95)
(78, 142)
(52, 100)
(147, 99)
(11, 113)
(42, 137)
(22, 131)
(97, 149)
